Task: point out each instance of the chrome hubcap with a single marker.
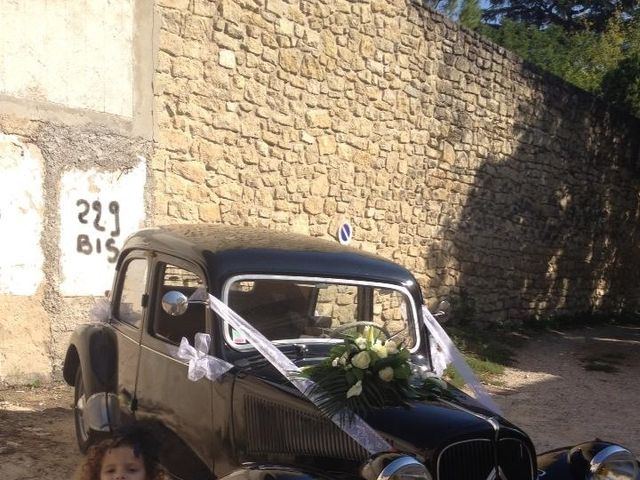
(82, 428)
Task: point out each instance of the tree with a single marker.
(570, 15)
(445, 7)
(593, 44)
(621, 85)
(467, 12)
(470, 14)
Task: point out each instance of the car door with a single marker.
(178, 409)
(129, 311)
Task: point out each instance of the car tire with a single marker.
(85, 437)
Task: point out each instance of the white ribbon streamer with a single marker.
(200, 363)
(455, 357)
(359, 430)
(101, 310)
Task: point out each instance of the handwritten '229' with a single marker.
(87, 245)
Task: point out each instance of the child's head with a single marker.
(130, 453)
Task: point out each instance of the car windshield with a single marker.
(286, 310)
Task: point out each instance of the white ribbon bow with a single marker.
(201, 364)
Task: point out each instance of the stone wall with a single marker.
(446, 153)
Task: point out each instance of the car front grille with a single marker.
(475, 460)
(466, 460)
(515, 459)
(276, 429)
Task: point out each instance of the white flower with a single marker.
(380, 349)
(391, 347)
(361, 360)
(343, 359)
(361, 343)
(334, 363)
(355, 390)
(386, 374)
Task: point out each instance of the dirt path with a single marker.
(573, 386)
(549, 393)
(37, 440)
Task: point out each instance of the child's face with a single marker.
(121, 464)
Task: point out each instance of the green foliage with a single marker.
(486, 370)
(445, 7)
(470, 14)
(486, 351)
(605, 63)
(570, 15)
(621, 85)
(467, 12)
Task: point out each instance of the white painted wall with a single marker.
(98, 211)
(75, 53)
(21, 216)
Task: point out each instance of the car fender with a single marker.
(93, 347)
(569, 462)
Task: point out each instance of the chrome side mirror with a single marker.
(175, 303)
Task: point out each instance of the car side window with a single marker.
(129, 308)
(170, 328)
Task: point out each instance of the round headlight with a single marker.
(613, 463)
(405, 468)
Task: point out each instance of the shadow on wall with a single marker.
(554, 227)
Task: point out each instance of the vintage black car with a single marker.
(251, 423)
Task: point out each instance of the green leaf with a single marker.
(402, 372)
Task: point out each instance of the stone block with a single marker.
(227, 121)
(290, 60)
(230, 11)
(318, 118)
(174, 140)
(311, 68)
(187, 68)
(313, 205)
(277, 7)
(227, 59)
(320, 186)
(175, 4)
(326, 145)
(209, 213)
(193, 171)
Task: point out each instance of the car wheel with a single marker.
(84, 436)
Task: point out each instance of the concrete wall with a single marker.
(75, 140)
(76, 53)
(445, 152)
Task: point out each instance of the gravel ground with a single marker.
(571, 386)
(565, 388)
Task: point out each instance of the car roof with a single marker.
(225, 251)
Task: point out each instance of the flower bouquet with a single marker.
(361, 374)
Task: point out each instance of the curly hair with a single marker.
(138, 438)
